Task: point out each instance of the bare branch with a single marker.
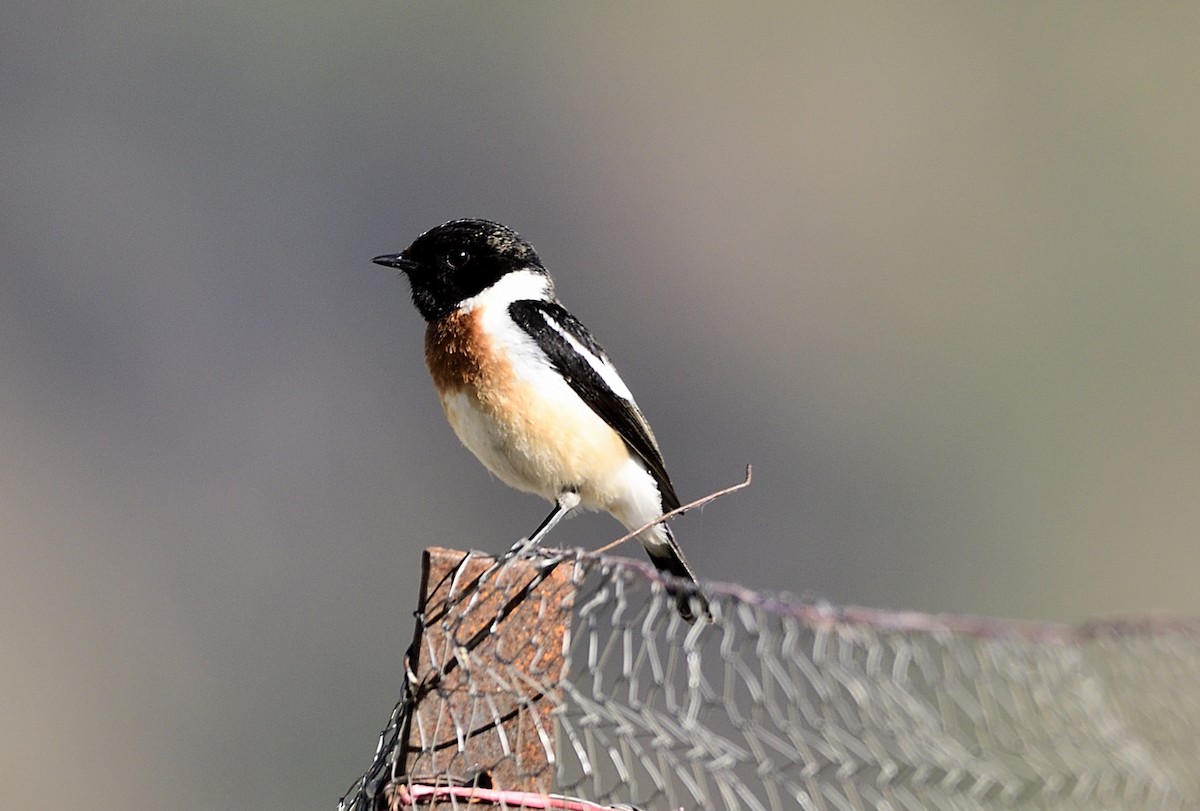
(700, 502)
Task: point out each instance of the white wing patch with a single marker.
(602, 367)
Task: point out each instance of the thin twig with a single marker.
(700, 502)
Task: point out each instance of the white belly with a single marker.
(543, 444)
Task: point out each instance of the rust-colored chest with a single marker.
(459, 353)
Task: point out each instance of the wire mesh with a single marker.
(776, 704)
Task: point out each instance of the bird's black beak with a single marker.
(395, 260)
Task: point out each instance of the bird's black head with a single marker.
(458, 260)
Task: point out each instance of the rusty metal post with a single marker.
(484, 671)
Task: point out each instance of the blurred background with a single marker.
(934, 270)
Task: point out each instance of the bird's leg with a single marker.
(567, 501)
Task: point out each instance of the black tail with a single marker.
(689, 600)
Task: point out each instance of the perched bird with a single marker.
(528, 390)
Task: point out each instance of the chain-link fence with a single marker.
(562, 676)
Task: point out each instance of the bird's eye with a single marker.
(457, 259)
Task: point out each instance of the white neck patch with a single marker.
(519, 285)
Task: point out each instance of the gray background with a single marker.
(932, 269)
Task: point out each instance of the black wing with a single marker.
(549, 324)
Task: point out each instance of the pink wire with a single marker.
(410, 795)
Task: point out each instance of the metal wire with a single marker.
(778, 704)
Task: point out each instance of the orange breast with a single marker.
(458, 353)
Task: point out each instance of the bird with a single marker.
(530, 392)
